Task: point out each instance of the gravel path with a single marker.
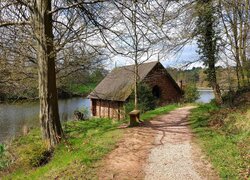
(161, 149)
(174, 156)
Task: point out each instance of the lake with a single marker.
(14, 116)
(205, 96)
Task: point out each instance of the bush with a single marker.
(238, 97)
(82, 113)
(85, 111)
(191, 93)
(146, 100)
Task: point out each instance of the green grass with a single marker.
(158, 111)
(87, 142)
(82, 89)
(224, 135)
(78, 157)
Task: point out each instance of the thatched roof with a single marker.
(118, 85)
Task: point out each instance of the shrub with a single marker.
(84, 110)
(146, 100)
(238, 97)
(82, 113)
(191, 93)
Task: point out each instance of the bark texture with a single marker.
(49, 116)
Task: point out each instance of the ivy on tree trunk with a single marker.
(208, 42)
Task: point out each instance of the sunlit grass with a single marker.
(158, 111)
(86, 143)
(226, 145)
(77, 157)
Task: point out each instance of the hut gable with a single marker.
(118, 85)
(163, 85)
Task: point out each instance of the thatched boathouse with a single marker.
(109, 97)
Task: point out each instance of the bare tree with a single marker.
(235, 19)
(144, 31)
(50, 25)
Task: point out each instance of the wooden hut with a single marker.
(110, 95)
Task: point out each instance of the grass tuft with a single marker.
(3, 157)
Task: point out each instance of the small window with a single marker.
(156, 91)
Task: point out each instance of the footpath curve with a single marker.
(161, 149)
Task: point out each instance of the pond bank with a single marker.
(16, 116)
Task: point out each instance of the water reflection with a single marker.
(13, 117)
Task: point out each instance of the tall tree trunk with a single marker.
(214, 84)
(134, 25)
(244, 28)
(136, 86)
(49, 116)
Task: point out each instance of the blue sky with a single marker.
(187, 54)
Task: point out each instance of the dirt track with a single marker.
(160, 149)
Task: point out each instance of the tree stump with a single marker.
(134, 118)
(79, 115)
(25, 130)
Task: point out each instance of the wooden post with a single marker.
(134, 118)
(181, 84)
(100, 108)
(109, 109)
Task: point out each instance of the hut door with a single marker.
(156, 91)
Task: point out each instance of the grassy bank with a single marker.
(224, 135)
(87, 142)
(77, 157)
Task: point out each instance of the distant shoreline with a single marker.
(204, 89)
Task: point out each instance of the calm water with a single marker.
(205, 96)
(13, 117)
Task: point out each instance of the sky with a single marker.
(178, 60)
(186, 55)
